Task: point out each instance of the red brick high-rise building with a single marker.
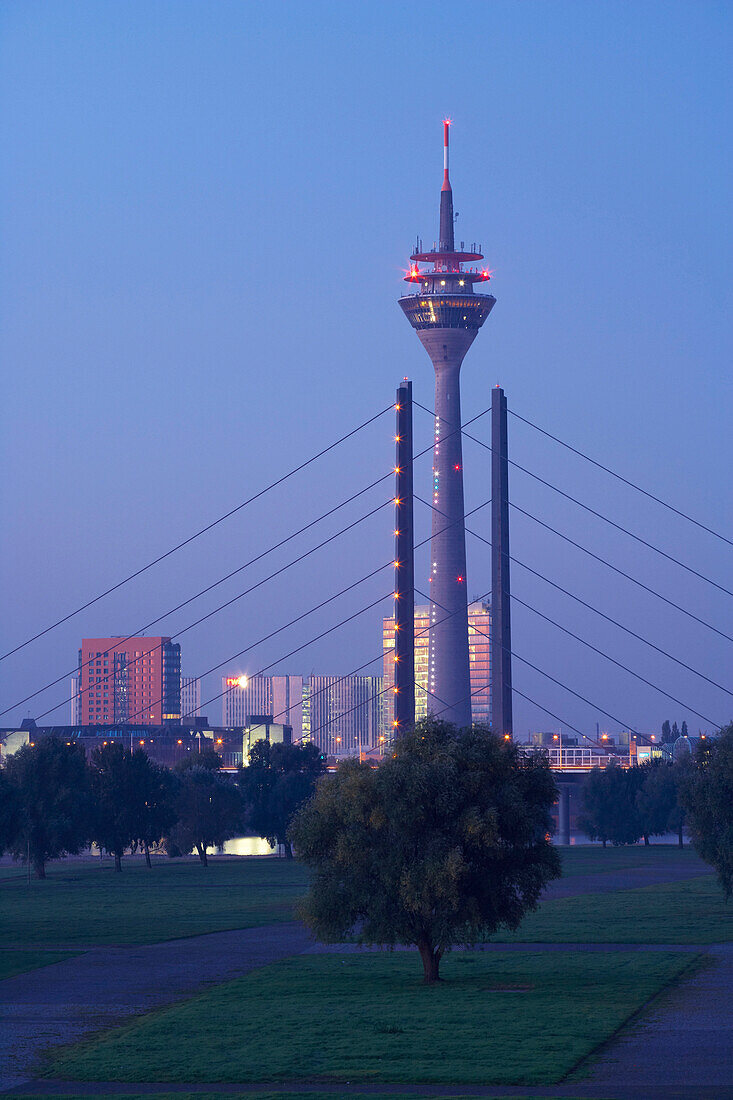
(128, 680)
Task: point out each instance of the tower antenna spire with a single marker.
(446, 241)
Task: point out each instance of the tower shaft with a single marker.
(448, 681)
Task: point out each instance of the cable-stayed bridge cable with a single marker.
(317, 638)
(197, 534)
(252, 588)
(565, 687)
(590, 607)
(622, 573)
(620, 477)
(593, 512)
(203, 592)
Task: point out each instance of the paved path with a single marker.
(62, 1002)
(684, 1040)
(604, 882)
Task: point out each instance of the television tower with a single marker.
(447, 313)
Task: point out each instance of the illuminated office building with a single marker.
(190, 696)
(128, 680)
(479, 619)
(281, 697)
(344, 713)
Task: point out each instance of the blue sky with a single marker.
(205, 211)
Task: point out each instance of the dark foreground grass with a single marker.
(587, 859)
(692, 911)
(269, 1095)
(17, 962)
(87, 903)
(496, 1019)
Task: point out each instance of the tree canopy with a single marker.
(442, 844)
(208, 810)
(206, 758)
(133, 800)
(657, 799)
(608, 805)
(278, 780)
(52, 808)
(707, 795)
(114, 813)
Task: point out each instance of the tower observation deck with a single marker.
(447, 313)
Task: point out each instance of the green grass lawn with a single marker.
(269, 1095)
(17, 962)
(692, 911)
(592, 859)
(497, 1019)
(83, 903)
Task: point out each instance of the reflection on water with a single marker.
(245, 846)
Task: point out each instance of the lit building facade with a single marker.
(190, 696)
(479, 620)
(279, 696)
(128, 680)
(344, 713)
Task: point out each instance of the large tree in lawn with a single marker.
(278, 780)
(707, 795)
(442, 844)
(52, 811)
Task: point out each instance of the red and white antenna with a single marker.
(446, 127)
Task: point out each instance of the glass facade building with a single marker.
(279, 696)
(479, 621)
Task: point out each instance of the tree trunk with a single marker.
(201, 849)
(147, 855)
(288, 849)
(646, 840)
(604, 842)
(39, 867)
(118, 861)
(680, 841)
(430, 961)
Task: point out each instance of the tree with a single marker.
(9, 812)
(683, 731)
(209, 811)
(608, 805)
(51, 784)
(675, 731)
(656, 798)
(666, 732)
(208, 758)
(154, 791)
(114, 800)
(442, 844)
(278, 780)
(707, 795)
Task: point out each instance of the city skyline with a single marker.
(144, 237)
